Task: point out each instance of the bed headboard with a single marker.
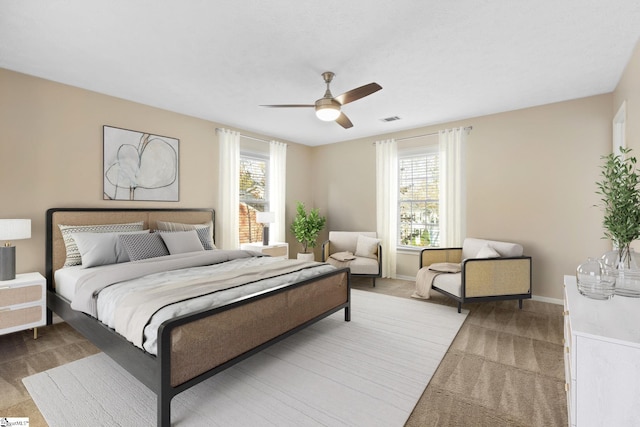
(56, 251)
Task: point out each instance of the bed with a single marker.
(191, 344)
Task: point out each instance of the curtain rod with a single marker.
(468, 129)
(248, 137)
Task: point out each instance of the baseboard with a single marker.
(549, 300)
(411, 278)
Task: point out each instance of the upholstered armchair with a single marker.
(359, 250)
(481, 270)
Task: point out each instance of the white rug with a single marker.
(367, 372)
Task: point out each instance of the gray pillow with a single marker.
(143, 246)
(101, 248)
(204, 231)
(179, 242)
(204, 234)
(73, 254)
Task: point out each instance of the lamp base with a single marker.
(7, 262)
(265, 236)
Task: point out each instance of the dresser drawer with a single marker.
(276, 251)
(21, 318)
(23, 303)
(20, 294)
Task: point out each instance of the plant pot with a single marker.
(306, 256)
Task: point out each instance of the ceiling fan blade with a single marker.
(357, 93)
(288, 105)
(344, 121)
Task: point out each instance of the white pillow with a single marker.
(73, 254)
(204, 231)
(101, 248)
(179, 242)
(367, 247)
(487, 252)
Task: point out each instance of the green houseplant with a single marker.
(620, 202)
(306, 226)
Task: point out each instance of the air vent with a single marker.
(390, 119)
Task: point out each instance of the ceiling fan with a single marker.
(328, 107)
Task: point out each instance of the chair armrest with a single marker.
(496, 276)
(430, 256)
(326, 247)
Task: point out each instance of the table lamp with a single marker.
(11, 229)
(265, 218)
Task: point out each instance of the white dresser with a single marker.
(602, 359)
(274, 249)
(23, 303)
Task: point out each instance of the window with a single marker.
(418, 197)
(253, 195)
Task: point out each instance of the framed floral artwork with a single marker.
(139, 166)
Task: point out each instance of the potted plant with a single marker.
(305, 228)
(621, 203)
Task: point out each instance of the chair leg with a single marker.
(459, 307)
(374, 282)
(520, 303)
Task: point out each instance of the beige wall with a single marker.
(51, 155)
(629, 90)
(530, 173)
(530, 179)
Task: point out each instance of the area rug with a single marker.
(367, 372)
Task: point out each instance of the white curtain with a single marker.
(452, 187)
(277, 189)
(227, 235)
(387, 203)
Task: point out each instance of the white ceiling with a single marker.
(437, 61)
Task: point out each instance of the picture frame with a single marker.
(140, 166)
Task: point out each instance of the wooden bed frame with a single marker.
(210, 340)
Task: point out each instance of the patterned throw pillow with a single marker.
(73, 254)
(143, 246)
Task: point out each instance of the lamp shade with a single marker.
(15, 229)
(265, 217)
(328, 112)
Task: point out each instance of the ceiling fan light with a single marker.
(328, 113)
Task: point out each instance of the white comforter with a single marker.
(108, 297)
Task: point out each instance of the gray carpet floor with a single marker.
(504, 368)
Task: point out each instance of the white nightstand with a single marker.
(23, 303)
(274, 249)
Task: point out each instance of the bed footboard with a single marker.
(196, 347)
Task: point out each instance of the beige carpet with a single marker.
(504, 369)
(367, 372)
(523, 343)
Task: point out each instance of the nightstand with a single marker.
(23, 303)
(274, 249)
